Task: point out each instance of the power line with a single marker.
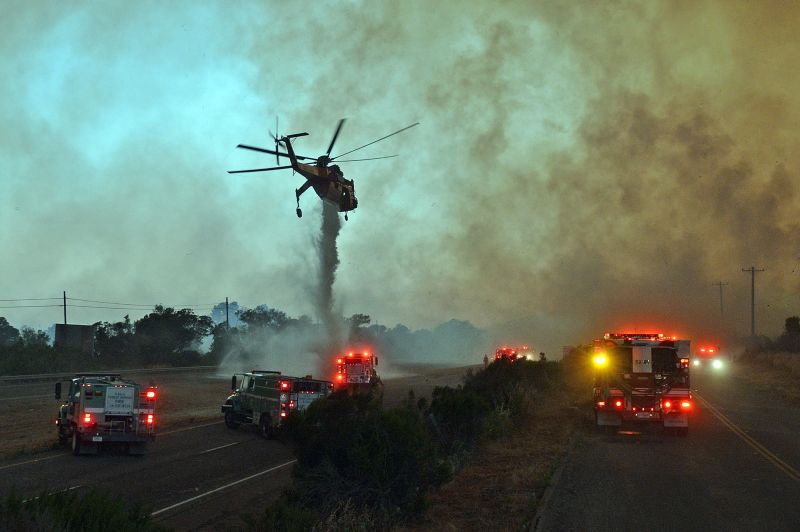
(30, 299)
(149, 305)
(29, 306)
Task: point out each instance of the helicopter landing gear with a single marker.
(297, 197)
(299, 213)
(345, 217)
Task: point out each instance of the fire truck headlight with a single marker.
(716, 364)
(600, 360)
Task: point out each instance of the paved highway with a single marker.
(177, 477)
(739, 469)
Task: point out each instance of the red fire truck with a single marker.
(642, 377)
(356, 371)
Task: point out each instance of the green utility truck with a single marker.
(103, 408)
(267, 397)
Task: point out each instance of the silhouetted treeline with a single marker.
(179, 337)
(787, 342)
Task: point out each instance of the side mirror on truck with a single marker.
(58, 390)
(376, 361)
(233, 383)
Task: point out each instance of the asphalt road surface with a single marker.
(738, 469)
(200, 477)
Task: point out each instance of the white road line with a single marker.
(30, 461)
(226, 486)
(60, 491)
(221, 447)
(9, 466)
(189, 428)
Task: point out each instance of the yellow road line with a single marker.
(793, 473)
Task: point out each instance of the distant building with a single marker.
(75, 338)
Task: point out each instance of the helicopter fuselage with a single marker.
(327, 181)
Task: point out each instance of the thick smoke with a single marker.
(579, 166)
(328, 264)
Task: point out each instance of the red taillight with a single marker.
(338, 360)
(87, 419)
(150, 419)
(667, 405)
(618, 403)
(284, 385)
(151, 394)
(686, 405)
(291, 404)
(601, 404)
(339, 377)
(283, 414)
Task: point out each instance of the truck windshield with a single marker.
(620, 358)
(307, 386)
(665, 360)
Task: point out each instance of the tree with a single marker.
(34, 338)
(263, 316)
(115, 340)
(790, 339)
(167, 331)
(9, 335)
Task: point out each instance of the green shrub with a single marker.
(350, 449)
(69, 511)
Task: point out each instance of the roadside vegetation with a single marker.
(775, 362)
(70, 511)
(363, 467)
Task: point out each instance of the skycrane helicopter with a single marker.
(325, 178)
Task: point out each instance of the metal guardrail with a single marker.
(66, 375)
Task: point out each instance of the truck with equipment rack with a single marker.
(267, 397)
(642, 378)
(103, 408)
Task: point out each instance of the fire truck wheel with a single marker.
(266, 427)
(230, 422)
(76, 443)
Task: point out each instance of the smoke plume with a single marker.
(328, 264)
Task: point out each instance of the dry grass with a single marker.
(28, 425)
(777, 371)
(502, 486)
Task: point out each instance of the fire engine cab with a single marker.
(642, 377)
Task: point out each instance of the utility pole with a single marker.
(227, 320)
(65, 307)
(721, 308)
(752, 271)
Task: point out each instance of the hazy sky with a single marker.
(579, 167)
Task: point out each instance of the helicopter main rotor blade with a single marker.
(374, 141)
(259, 169)
(273, 152)
(369, 159)
(335, 136)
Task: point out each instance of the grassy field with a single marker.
(28, 423)
(777, 371)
